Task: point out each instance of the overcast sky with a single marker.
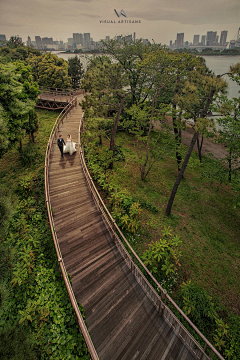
(161, 20)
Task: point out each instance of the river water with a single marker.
(219, 64)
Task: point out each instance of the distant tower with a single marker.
(134, 37)
(81, 39)
(223, 38)
(214, 40)
(211, 38)
(76, 38)
(38, 41)
(203, 41)
(86, 37)
(29, 41)
(196, 39)
(180, 37)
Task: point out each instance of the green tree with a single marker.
(195, 101)
(18, 94)
(184, 65)
(159, 69)
(228, 133)
(235, 73)
(4, 142)
(146, 135)
(75, 71)
(129, 54)
(50, 71)
(107, 83)
(14, 41)
(20, 52)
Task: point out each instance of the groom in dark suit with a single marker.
(60, 143)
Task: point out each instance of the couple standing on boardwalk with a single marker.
(70, 147)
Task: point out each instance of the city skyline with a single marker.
(159, 20)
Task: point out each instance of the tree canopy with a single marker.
(75, 71)
(50, 71)
(18, 94)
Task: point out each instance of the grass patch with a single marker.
(203, 216)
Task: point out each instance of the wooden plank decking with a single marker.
(122, 321)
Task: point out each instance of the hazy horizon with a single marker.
(161, 20)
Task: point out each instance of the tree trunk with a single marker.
(177, 132)
(144, 172)
(199, 145)
(112, 141)
(32, 136)
(230, 166)
(180, 174)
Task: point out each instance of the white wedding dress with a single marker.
(70, 147)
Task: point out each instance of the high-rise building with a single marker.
(76, 38)
(86, 40)
(38, 42)
(2, 37)
(223, 38)
(214, 40)
(47, 41)
(203, 40)
(211, 38)
(196, 39)
(180, 38)
(29, 41)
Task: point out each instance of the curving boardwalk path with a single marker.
(122, 321)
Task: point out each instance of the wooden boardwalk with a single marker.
(122, 321)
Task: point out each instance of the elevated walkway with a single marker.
(126, 319)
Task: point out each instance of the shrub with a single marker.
(30, 155)
(198, 306)
(16, 343)
(162, 258)
(5, 212)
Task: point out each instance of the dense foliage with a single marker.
(50, 71)
(37, 319)
(18, 94)
(75, 71)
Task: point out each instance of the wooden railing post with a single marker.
(204, 349)
(113, 229)
(163, 301)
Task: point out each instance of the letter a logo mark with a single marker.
(122, 12)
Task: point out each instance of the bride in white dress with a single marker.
(70, 147)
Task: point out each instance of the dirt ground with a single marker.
(217, 150)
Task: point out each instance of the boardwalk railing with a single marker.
(62, 92)
(160, 301)
(75, 306)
